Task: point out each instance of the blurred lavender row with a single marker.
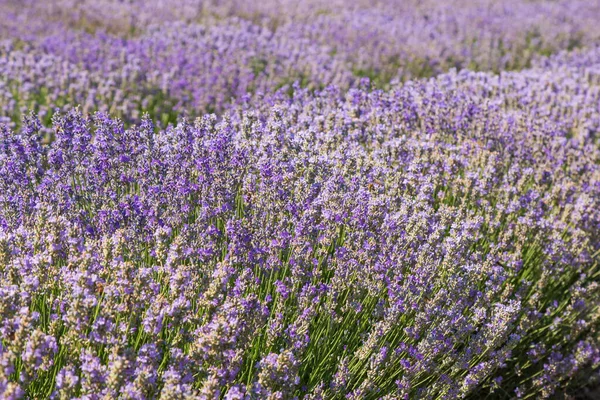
(129, 58)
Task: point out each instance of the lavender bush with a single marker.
(404, 243)
(336, 229)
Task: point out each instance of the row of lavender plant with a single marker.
(564, 89)
(169, 71)
(64, 53)
(424, 242)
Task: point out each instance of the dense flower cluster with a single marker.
(338, 229)
(421, 242)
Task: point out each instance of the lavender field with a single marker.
(318, 199)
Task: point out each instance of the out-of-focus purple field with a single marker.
(279, 199)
